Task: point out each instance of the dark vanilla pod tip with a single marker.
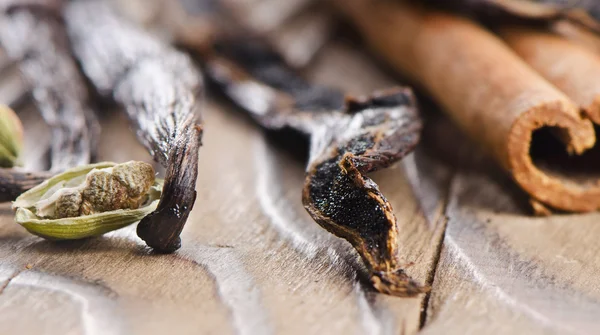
(161, 242)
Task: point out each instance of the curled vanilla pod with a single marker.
(350, 137)
(31, 32)
(585, 13)
(158, 86)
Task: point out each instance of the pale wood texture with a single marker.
(502, 272)
(571, 67)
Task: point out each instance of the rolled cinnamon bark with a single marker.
(491, 93)
(571, 67)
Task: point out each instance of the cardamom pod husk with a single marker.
(89, 200)
(11, 137)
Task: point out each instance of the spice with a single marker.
(11, 137)
(490, 92)
(570, 67)
(349, 138)
(157, 85)
(89, 200)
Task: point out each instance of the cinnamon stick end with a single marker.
(548, 188)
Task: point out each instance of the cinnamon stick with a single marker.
(491, 93)
(571, 67)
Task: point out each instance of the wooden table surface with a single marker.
(253, 261)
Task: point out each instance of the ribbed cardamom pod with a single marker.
(89, 200)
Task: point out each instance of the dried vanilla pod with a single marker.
(14, 182)
(349, 138)
(158, 86)
(32, 33)
(89, 200)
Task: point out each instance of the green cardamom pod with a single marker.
(11, 137)
(89, 200)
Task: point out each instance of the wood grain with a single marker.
(502, 271)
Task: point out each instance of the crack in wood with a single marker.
(438, 252)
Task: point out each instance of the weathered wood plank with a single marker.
(503, 271)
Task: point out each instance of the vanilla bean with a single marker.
(158, 86)
(13, 182)
(33, 33)
(349, 138)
